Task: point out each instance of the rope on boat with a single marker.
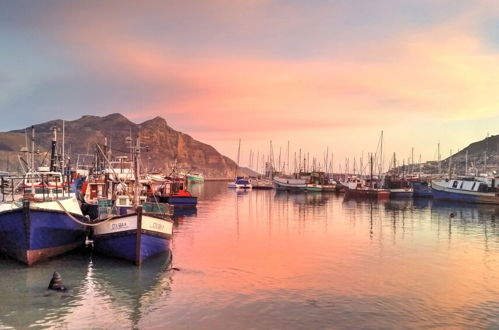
(81, 222)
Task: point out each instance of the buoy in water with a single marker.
(56, 283)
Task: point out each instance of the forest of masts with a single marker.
(291, 162)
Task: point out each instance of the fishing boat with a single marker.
(397, 183)
(421, 188)
(261, 183)
(484, 190)
(173, 191)
(45, 220)
(398, 187)
(369, 188)
(290, 182)
(356, 187)
(135, 236)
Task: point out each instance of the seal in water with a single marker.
(56, 283)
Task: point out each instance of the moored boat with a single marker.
(45, 220)
(195, 177)
(396, 182)
(134, 236)
(261, 183)
(467, 189)
(173, 191)
(240, 183)
(421, 188)
(290, 183)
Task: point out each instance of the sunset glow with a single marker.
(322, 74)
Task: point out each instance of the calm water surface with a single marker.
(262, 259)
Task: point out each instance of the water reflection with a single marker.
(25, 300)
(131, 292)
(102, 293)
(269, 259)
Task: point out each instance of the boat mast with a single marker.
(32, 158)
(466, 164)
(371, 166)
(287, 163)
(438, 155)
(381, 155)
(412, 160)
(53, 165)
(238, 153)
(63, 157)
(137, 173)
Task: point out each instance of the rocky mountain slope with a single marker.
(165, 146)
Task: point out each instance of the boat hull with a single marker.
(290, 184)
(368, 193)
(421, 189)
(32, 235)
(401, 193)
(134, 237)
(182, 201)
(239, 186)
(465, 197)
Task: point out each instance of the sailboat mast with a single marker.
(438, 155)
(381, 155)
(371, 165)
(238, 154)
(466, 164)
(287, 162)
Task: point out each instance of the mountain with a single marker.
(481, 155)
(165, 146)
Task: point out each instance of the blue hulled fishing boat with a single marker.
(135, 236)
(44, 219)
(467, 189)
(421, 188)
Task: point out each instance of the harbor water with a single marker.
(267, 259)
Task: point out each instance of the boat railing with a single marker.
(10, 187)
(46, 187)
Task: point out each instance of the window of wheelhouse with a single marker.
(454, 185)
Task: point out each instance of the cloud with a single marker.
(267, 67)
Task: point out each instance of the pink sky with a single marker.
(320, 75)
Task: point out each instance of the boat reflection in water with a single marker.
(129, 293)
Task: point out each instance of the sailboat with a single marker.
(240, 182)
(135, 236)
